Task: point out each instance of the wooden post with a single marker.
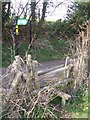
(64, 97)
(16, 70)
(29, 72)
(66, 72)
(30, 26)
(18, 61)
(88, 61)
(88, 37)
(82, 66)
(16, 37)
(35, 74)
(88, 66)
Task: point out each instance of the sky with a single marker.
(59, 13)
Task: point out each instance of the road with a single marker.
(44, 66)
(49, 79)
(50, 64)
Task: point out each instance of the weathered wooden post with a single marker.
(66, 72)
(83, 53)
(29, 72)
(88, 54)
(16, 37)
(35, 74)
(16, 71)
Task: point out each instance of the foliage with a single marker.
(44, 50)
(48, 105)
(80, 11)
(63, 30)
(78, 106)
(5, 12)
(79, 15)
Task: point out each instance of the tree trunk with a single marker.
(33, 7)
(44, 11)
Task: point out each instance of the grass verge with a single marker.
(48, 50)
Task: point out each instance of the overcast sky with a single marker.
(59, 13)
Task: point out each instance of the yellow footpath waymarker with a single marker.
(17, 30)
(16, 26)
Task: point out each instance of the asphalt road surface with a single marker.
(50, 64)
(42, 67)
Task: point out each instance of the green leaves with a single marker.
(81, 12)
(5, 12)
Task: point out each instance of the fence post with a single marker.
(66, 72)
(35, 74)
(16, 72)
(29, 72)
(88, 58)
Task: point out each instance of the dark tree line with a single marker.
(5, 12)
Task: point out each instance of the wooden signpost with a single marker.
(18, 22)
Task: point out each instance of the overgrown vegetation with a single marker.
(53, 41)
(76, 107)
(43, 50)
